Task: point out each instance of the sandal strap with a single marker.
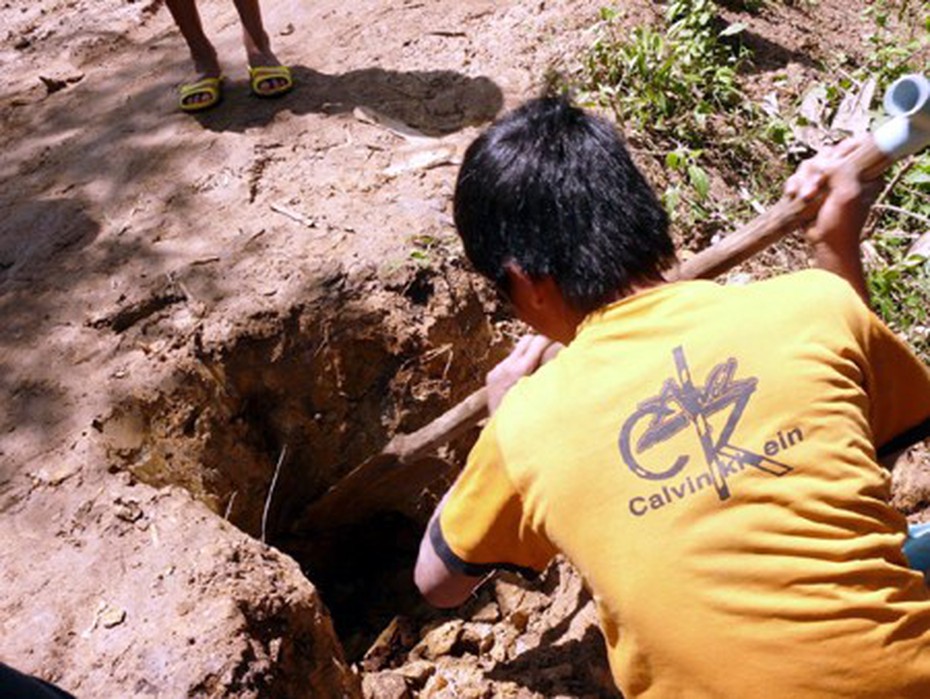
(261, 74)
(208, 85)
(212, 87)
(269, 72)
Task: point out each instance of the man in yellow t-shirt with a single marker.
(706, 456)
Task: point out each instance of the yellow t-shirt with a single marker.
(706, 457)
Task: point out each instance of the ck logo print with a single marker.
(711, 412)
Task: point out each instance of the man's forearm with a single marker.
(845, 262)
(440, 586)
(836, 231)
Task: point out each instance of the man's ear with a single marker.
(538, 302)
(527, 294)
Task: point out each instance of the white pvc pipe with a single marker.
(908, 131)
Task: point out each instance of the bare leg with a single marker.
(202, 52)
(255, 38)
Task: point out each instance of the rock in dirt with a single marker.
(399, 634)
(417, 673)
(385, 685)
(441, 640)
(487, 613)
(59, 81)
(910, 484)
(547, 645)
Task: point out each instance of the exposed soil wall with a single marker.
(156, 596)
(260, 425)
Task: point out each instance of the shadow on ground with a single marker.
(434, 102)
(768, 56)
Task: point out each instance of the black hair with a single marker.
(552, 188)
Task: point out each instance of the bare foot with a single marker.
(263, 59)
(207, 66)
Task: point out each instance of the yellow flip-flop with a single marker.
(264, 74)
(212, 87)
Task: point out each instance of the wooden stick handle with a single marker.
(451, 424)
(785, 216)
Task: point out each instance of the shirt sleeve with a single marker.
(898, 383)
(483, 525)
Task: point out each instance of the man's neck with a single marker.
(634, 290)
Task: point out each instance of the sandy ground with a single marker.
(134, 238)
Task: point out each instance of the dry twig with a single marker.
(274, 482)
(229, 505)
(869, 229)
(293, 215)
(903, 212)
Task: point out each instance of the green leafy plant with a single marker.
(899, 293)
(666, 81)
(690, 183)
(900, 282)
(674, 88)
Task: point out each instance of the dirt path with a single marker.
(192, 304)
(141, 249)
(108, 190)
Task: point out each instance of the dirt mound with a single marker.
(258, 297)
(130, 591)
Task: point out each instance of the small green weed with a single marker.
(675, 90)
(424, 248)
(666, 81)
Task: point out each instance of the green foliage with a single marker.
(675, 90)
(666, 80)
(900, 283)
(668, 86)
(899, 293)
(890, 56)
(691, 187)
